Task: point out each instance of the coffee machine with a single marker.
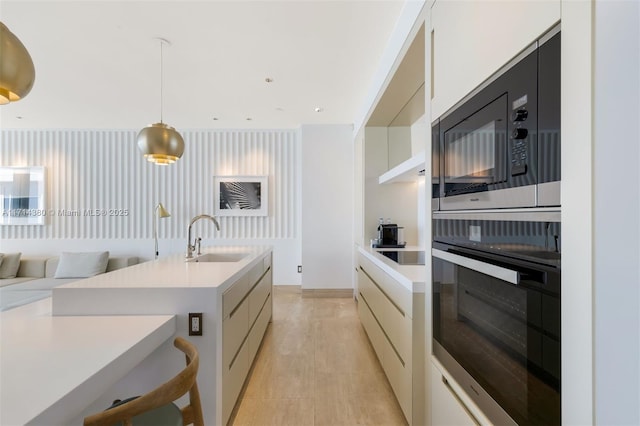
(389, 236)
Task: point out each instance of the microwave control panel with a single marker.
(518, 136)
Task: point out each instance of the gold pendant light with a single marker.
(160, 143)
(17, 73)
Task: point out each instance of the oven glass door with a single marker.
(475, 150)
(499, 325)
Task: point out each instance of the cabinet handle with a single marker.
(498, 272)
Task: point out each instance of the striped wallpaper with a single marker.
(88, 170)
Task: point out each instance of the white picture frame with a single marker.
(241, 195)
(22, 196)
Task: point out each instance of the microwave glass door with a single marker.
(475, 150)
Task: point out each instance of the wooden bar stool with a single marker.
(158, 404)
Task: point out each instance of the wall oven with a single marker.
(496, 311)
(500, 146)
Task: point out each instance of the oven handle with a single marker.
(498, 272)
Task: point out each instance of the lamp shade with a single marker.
(162, 212)
(17, 73)
(160, 143)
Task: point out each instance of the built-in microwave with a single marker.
(500, 146)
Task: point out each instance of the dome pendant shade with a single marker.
(160, 144)
(17, 73)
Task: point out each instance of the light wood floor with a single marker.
(316, 367)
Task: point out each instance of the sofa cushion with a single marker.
(1, 256)
(121, 262)
(10, 265)
(32, 267)
(82, 265)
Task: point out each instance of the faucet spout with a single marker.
(192, 247)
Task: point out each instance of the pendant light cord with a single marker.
(161, 78)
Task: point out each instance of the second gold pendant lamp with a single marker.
(160, 143)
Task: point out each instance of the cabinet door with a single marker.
(233, 377)
(446, 407)
(259, 328)
(234, 294)
(234, 330)
(472, 39)
(258, 296)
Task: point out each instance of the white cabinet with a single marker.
(447, 409)
(472, 39)
(246, 307)
(393, 318)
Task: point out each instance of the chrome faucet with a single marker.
(192, 247)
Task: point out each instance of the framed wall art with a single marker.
(241, 195)
(22, 192)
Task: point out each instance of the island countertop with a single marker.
(174, 272)
(53, 367)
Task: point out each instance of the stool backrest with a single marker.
(166, 393)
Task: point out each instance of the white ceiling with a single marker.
(98, 62)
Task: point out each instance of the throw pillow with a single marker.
(10, 264)
(82, 265)
(1, 256)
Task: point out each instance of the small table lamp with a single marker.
(160, 212)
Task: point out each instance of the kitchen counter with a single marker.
(53, 367)
(174, 272)
(412, 277)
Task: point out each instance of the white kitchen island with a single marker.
(234, 297)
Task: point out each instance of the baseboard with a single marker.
(328, 292)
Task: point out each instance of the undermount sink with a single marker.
(218, 257)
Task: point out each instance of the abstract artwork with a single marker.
(241, 196)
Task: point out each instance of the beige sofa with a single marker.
(36, 277)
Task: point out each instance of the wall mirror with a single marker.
(22, 196)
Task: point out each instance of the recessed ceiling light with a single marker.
(319, 109)
(268, 80)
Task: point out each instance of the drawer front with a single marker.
(394, 291)
(266, 262)
(232, 381)
(447, 407)
(255, 273)
(234, 295)
(395, 323)
(399, 376)
(259, 328)
(371, 326)
(258, 296)
(234, 331)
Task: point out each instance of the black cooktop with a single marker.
(405, 257)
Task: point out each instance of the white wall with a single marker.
(103, 169)
(616, 215)
(327, 206)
